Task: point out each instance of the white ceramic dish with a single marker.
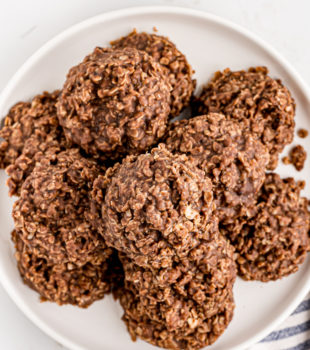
(210, 44)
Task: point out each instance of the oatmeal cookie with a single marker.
(271, 239)
(115, 102)
(31, 129)
(174, 64)
(257, 102)
(154, 207)
(65, 283)
(185, 307)
(231, 158)
(53, 207)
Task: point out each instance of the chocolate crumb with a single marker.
(286, 160)
(301, 184)
(302, 133)
(298, 157)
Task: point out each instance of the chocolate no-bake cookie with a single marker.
(257, 102)
(231, 158)
(115, 102)
(65, 283)
(30, 130)
(271, 239)
(53, 208)
(185, 307)
(174, 63)
(154, 207)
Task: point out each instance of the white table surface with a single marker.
(26, 25)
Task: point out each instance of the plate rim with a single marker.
(138, 10)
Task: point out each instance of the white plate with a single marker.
(210, 44)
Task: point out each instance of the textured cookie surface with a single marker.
(257, 102)
(53, 207)
(271, 240)
(233, 160)
(155, 207)
(115, 102)
(187, 306)
(174, 64)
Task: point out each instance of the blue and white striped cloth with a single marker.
(293, 334)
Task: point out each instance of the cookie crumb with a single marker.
(286, 160)
(303, 133)
(301, 184)
(298, 156)
(155, 29)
